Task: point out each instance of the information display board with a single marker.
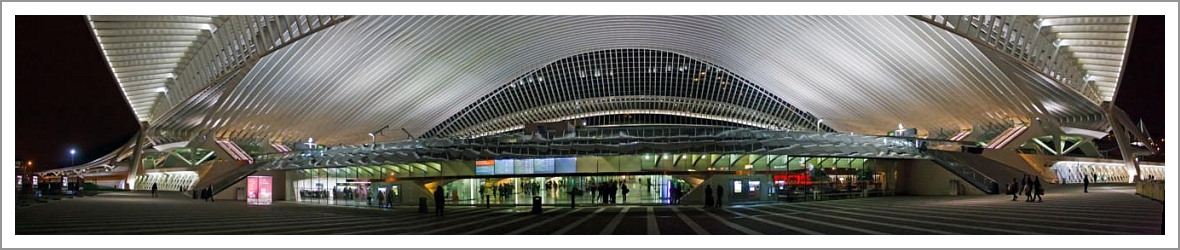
(543, 166)
(567, 165)
(524, 166)
(258, 190)
(485, 167)
(504, 167)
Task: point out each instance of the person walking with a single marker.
(625, 191)
(154, 189)
(593, 193)
(719, 192)
(1039, 191)
(194, 194)
(708, 196)
(614, 192)
(438, 200)
(677, 190)
(1085, 184)
(211, 193)
(1028, 190)
(1012, 189)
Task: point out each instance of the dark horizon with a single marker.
(61, 72)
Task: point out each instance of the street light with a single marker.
(72, 152)
(817, 122)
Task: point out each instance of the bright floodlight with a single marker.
(72, 151)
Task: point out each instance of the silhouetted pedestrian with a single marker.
(593, 193)
(708, 196)
(1028, 190)
(438, 200)
(154, 188)
(719, 192)
(625, 191)
(614, 191)
(1012, 189)
(1085, 184)
(211, 199)
(1038, 189)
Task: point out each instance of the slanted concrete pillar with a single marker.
(1125, 148)
(136, 158)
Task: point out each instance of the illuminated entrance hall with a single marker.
(768, 178)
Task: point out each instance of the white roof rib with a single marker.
(145, 52)
(862, 74)
(1099, 43)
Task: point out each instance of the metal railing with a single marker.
(229, 179)
(963, 170)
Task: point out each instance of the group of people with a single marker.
(709, 202)
(676, 192)
(607, 192)
(349, 193)
(206, 194)
(1028, 186)
(501, 191)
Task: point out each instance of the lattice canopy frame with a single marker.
(622, 81)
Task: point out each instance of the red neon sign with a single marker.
(793, 179)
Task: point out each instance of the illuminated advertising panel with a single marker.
(524, 166)
(251, 189)
(258, 190)
(485, 167)
(543, 166)
(567, 165)
(504, 167)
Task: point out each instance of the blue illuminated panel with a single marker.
(504, 167)
(543, 166)
(567, 165)
(524, 166)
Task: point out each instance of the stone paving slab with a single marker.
(1106, 210)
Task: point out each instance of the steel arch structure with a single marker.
(277, 80)
(860, 74)
(636, 81)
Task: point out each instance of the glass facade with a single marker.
(747, 178)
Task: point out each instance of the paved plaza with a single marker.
(1110, 209)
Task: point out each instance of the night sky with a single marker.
(1141, 92)
(67, 97)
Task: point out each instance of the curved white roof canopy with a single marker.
(146, 52)
(1098, 43)
(863, 74)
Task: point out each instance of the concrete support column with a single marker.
(136, 158)
(1124, 141)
